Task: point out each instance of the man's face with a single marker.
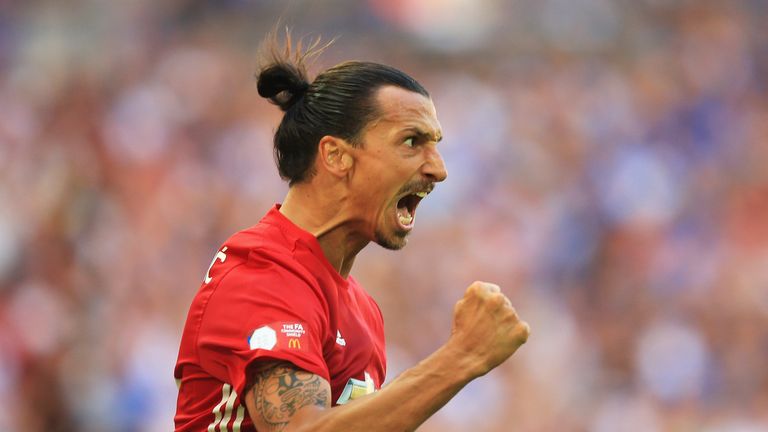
(397, 164)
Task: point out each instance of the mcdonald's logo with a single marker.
(294, 343)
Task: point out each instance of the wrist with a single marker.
(463, 363)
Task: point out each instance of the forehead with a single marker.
(400, 108)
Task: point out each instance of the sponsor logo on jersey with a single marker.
(279, 335)
(293, 330)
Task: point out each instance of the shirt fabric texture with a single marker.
(271, 294)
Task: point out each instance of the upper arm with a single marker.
(279, 394)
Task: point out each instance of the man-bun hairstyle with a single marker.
(283, 84)
(340, 101)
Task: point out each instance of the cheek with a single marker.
(371, 197)
(377, 182)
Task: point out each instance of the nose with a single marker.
(434, 166)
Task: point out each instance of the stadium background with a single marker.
(608, 168)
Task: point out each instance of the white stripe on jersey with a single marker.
(228, 397)
(238, 419)
(228, 412)
(225, 391)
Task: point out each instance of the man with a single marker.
(280, 337)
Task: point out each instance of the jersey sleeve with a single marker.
(260, 313)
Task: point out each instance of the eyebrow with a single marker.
(423, 134)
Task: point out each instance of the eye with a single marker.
(410, 141)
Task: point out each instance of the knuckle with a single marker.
(525, 330)
(497, 299)
(489, 287)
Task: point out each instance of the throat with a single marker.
(337, 234)
(340, 250)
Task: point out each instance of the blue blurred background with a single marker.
(608, 166)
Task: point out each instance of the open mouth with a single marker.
(406, 209)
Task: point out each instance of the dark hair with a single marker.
(340, 102)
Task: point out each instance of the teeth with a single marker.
(421, 194)
(406, 219)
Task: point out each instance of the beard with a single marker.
(394, 241)
(398, 239)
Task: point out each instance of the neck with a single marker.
(321, 212)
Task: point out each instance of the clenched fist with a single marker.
(486, 327)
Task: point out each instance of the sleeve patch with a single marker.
(263, 338)
(280, 335)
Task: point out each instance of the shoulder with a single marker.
(261, 252)
(266, 279)
(257, 270)
(257, 292)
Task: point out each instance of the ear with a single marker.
(335, 156)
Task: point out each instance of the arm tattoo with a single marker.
(279, 390)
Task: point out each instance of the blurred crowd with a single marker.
(608, 167)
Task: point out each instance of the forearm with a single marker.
(403, 404)
(485, 333)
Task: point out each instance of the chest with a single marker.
(354, 350)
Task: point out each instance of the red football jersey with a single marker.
(270, 294)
